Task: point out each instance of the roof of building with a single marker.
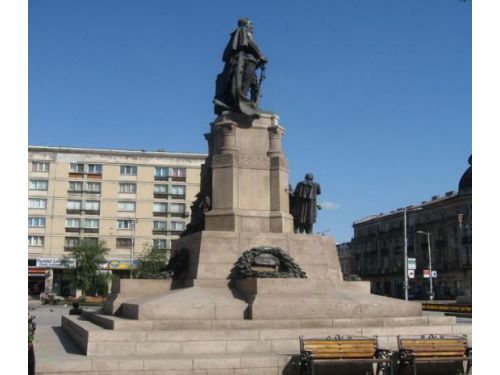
(465, 184)
(84, 150)
(424, 204)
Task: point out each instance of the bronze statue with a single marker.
(242, 58)
(304, 204)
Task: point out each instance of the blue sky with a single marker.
(375, 96)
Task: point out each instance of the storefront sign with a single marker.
(121, 265)
(53, 263)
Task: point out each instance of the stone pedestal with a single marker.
(249, 176)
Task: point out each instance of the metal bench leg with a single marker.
(414, 367)
(469, 367)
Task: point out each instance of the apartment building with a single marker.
(129, 199)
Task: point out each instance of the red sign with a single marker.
(36, 272)
(426, 274)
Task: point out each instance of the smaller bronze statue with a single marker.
(242, 58)
(305, 207)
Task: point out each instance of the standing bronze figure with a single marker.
(242, 58)
(305, 205)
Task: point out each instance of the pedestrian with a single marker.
(31, 349)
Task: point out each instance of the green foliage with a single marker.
(152, 262)
(86, 274)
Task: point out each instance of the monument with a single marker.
(245, 285)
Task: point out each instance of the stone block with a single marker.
(105, 348)
(257, 371)
(259, 362)
(286, 346)
(168, 364)
(105, 364)
(216, 363)
(203, 347)
(249, 346)
(158, 347)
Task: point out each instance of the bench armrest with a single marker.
(406, 354)
(383, 353)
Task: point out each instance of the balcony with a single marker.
(161, 195)
(161, 178)
(92, 192)
(92, 212)
(72, 230)
(94, 176)
(160, 213)
(178, 196)
(76, 174)
(161, 232)
(73, 212)
(179, 214)
(91, 230)
(178, 178)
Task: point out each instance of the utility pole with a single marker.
(431, 296)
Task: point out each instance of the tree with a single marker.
(152, 262)
(84, 263)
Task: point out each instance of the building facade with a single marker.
(129, 199)
(376, 251)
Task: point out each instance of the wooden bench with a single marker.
(343, 349)
(433, 348)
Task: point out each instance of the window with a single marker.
(124, 224)
(35, 240)
(91, 240)
(128, 188)
(72, 223)
(40, 166)
(95, 168)
(36, 221)
(159, 207)
(37, 203)
(74, 205)
(126, 206)
(161, 189)
(159, 225)
(178, 172)
(128, 170)
(76, 168)
(93, 187)
(124, 243)
(177, 225)
(39, 184)
(92, 223)
(160, 243)
(178, 190)
(161, 172)
(71, 243)
(177, 208)
(91, 206)
(75, 186)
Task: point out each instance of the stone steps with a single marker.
(200, 364)
(97, 341)
(118, 323)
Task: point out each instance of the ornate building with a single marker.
(377, 250)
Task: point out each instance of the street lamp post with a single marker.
(431, 297)
(405, 210)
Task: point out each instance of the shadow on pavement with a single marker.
(66, 342)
